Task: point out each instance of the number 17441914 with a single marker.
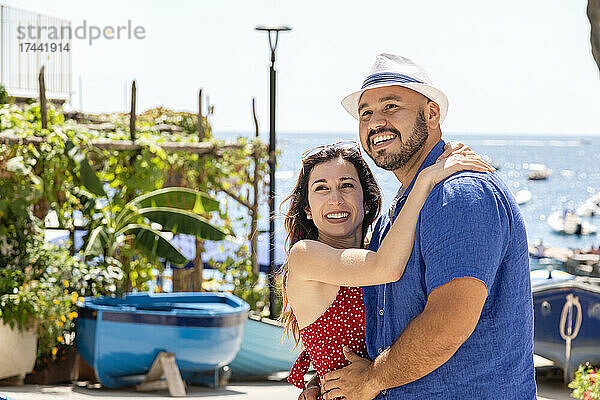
(27, 47)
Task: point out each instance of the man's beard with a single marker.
(393, 161)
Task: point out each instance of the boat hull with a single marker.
(567, 323)
(262, 353)
(121, 344)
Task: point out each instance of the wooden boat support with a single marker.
(164, 365)
(122, 145)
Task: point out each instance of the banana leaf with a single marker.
(180, 198)
(96, 242)
(152, 244)
(173, 197)
(180, 221)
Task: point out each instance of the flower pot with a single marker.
(17, 351)
(62, 370)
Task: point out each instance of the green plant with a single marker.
(586, 384)
(39, 282)
(235, 275)
(33, 295)
(127, 174)
(118, 236)
(3, 95)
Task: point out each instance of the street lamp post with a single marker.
(273, 46)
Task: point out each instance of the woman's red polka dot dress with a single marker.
(343, 323)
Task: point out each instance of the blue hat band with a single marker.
(387, 77)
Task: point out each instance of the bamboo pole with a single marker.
(43, 102)
(132, 112)
(254, 208)
(200, 122)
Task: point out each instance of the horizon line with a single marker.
(449, 133)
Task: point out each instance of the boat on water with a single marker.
(569, 223)
(567, 319)
(584, 265)
(540, 251)
(522, 196)
(263, 354)
(590, 208)
(538, 172)
(121, 337)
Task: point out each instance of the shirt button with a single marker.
(384, 391)
(381, 312)
(379, 350)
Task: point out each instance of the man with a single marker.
(459, 323)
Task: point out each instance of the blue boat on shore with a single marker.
(567, 319)
(120, 338)
(263, 353)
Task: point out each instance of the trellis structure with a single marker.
(201, 148)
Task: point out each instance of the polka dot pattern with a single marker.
(343, 323)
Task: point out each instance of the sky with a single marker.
(510, 67)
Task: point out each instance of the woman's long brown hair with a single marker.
(299, 227)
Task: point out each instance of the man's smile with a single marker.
(382, 140)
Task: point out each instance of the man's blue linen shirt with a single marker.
(470, 226)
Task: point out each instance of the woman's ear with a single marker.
(308, 213)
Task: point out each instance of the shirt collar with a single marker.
(433, 155)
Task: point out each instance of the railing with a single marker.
(20, 64)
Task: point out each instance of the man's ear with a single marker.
(433, 115)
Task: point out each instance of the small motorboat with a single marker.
(584, 265)
(522, 196)
(539, 251)
(569, 223)
(590, 208)
(263, 353)
(567, 319)
(121, 337)
(538, 171)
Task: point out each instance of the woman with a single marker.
(334, 202)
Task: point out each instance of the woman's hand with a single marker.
(456, 157)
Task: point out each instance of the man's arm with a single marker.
(464, 231)
(430, 339)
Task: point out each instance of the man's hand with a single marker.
(352, 382)
(310, 393)
(312, 390)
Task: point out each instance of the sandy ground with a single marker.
(548, 389)
(549, 382)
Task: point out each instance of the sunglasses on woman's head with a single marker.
(344, 145)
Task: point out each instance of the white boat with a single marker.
(522, 196)
(559, 254)
(570, 223)
(538, 171)
(584, 265)
(591, 207)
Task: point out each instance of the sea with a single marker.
(573, 160)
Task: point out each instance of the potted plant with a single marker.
(36, 305)
(586, 385)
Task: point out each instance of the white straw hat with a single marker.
(392, 70)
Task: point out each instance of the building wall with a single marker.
(20, 64)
